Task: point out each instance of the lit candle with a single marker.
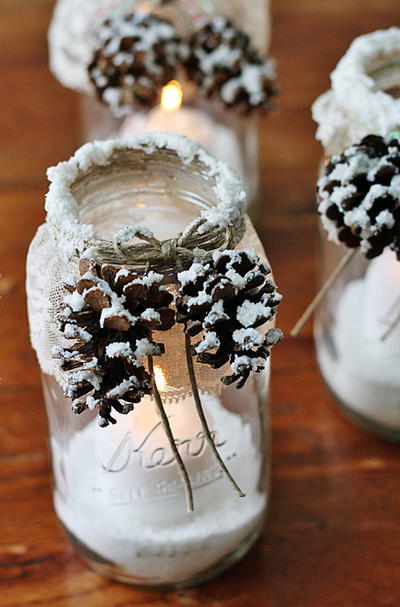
(172, 117)
(137, 463)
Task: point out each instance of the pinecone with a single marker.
(359, 196)
(110, 315)
(225, 64)
(227, 298)
(136, 54)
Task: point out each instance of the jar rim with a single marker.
(355, 88)
(72, 236)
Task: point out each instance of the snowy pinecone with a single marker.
(225, 64)
(135, 55)
(110, 315)
(359, 196)
(226, 299)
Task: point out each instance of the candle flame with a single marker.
(171, 96)
(144, 7)
(160, 378)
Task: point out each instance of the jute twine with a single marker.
(165, 255)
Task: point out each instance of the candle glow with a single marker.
(172, 116)
(160, 379)
(171, 96)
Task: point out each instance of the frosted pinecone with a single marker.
(135, 55)
(359, 196)
(110, 316)
(227, 299)
(225, 65)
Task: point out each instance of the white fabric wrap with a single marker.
(71, 32)
(45, 281)
(357, 104)
(52, 260)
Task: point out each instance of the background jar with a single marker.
(358, 360)
(230, 135)
(360, 367)
(117, 490)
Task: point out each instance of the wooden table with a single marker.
(332, 539)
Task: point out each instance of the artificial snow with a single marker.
(119, 348)
(136, 518)
(210, 341)
(360, 368)
(249, 313)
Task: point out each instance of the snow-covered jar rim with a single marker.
(71, 36)
(223, 194)
(358, 103)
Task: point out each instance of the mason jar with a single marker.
(358, 363)
(229, 134)
(358, 352)
(117, 489)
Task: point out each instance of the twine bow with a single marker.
(166, 254)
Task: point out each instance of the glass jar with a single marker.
(358, 358)
(228, 134)
(117, 490)
(358, 364)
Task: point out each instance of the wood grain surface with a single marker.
(332, 539)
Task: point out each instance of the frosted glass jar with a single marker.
(117, 489)
(229, 135)
(360, 367)
(357, 362)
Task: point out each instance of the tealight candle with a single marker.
(195, 123)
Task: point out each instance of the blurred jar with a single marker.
(228, 133)
(359, 363)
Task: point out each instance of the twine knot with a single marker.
(164, 254)
(169, 249)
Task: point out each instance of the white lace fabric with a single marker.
(45, 291)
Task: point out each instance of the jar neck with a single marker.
(155, 193)
(155, 180)
(162, 196)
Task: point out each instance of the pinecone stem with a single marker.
(202, 417)
(323, 292)
(171, 440)
(391, 327)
